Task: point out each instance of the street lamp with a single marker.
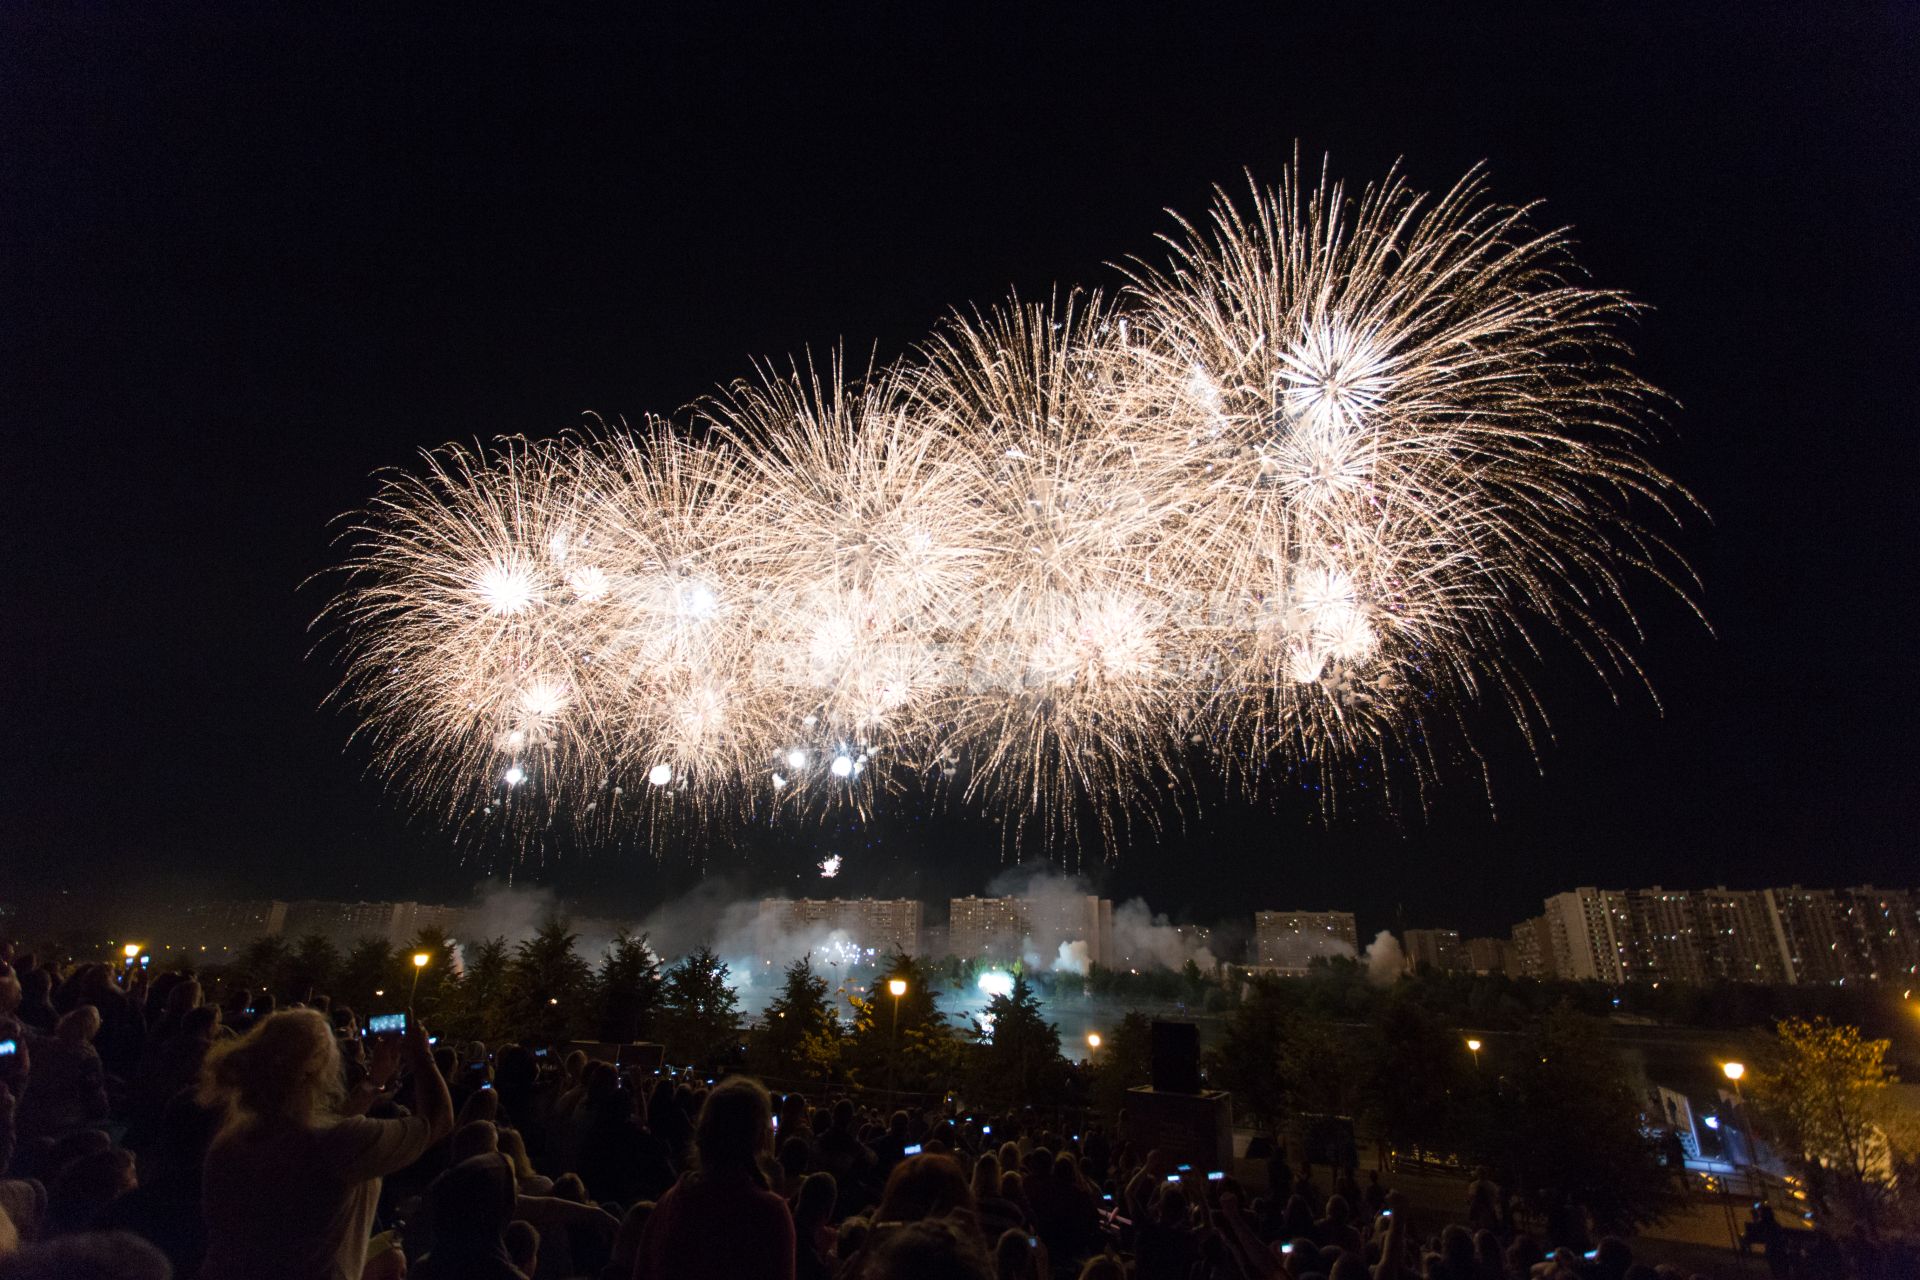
(897, 987)
(131, 951)
(1473, 1047)
(1093, 1039)
(1736, 1071)
(419, 963)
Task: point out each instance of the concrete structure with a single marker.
(1591, 933)
(1782, 935)
(1489, 956)
(880, 925)
(1666, 942)
(1532, 942)
(1438, 949)
(1737, 929)
(1045, 926)
(1288, 942)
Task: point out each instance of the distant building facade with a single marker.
(1002, 930)
(1490, 956)
(1438, 949)
(1782, 935)
(880, 925)
(1532, 942)
(1288, 942)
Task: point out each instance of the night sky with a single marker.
(249, 254)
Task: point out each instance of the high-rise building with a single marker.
(1288, 942)
(1790, 935)
(1818, 929)
(987, 928)
(1050, 926)
(1592, 935)
(346, 923)
(1665, 941)
(881, 926)
(1740, 936)
(1886, 929)
(1438, 949)
(1533, 949)
(1489, 956)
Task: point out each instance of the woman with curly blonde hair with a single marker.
(292, 1180)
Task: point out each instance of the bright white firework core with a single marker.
(589, 583)
(514, 776)
(830, 866)
(995, 982)
(660, 775)
(842, 766)
(796, 759)
(506, 588)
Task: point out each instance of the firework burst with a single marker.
(1309, 489)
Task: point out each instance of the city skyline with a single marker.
(1790, 935)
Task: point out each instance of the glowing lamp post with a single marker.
(896, 987)
(1093, 1043)
(419, 963)
(1736, 1072)
(1473, 1047)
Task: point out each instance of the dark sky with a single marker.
(251, 253)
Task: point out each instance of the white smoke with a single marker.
(1386, 962)
(1057, 942)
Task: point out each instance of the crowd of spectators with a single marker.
(148, 1130)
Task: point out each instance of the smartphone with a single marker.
(1184, 1168)
(539, 1053)
(1591, 1254)
(486, 1084)
(1173, 1177)
(387, 1024)
(1386, 1213)
(912, 1149)
(776, 1124)
(1287, 1247)
(1108, 1197)
(145, 961)
(1033, 1242)
(432, 1040)
(987, 1130)
(8, 1048)
(1215, 1175)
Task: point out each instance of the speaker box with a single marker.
(1176, 1057)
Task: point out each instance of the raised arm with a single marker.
(429, 1087)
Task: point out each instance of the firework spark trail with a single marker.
(1309, 489)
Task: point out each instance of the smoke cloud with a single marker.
(1386, 962)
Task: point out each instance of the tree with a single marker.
(479, 1008)
(629, 988)
(906, 1038)
(1826, 1097)
(263, 963)
(311, 969)
(1409, 1086)
(548, 984)
(1123, 1062)
(1250, 1062)
(1564, 1124)
(1019, 1054)
(700, 1013)
(366, 969)
(801, 1034)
